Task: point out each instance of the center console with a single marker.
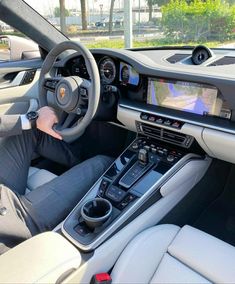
(128, 187)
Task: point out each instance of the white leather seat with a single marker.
(38, 177)
(169, 254)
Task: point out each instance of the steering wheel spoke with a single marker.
(50, 84)
(67, 120)
(85, 89)
(86, 84)
(81, 110)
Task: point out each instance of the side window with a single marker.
(15, 46)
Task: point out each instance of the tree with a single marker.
(111, 16)
(62, 16)
(198, 21)
(83, 12)
(230, 2)
(151, 3)
(57, 12)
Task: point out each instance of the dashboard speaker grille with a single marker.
(226, 60)
(176, 57)
(165, 134)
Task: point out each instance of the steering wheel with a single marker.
(75, 96)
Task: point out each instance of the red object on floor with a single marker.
(103, 278)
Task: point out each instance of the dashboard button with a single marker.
(147, 148)
(176, 124)
(82, 230)
(165, 151)
(167, 122)
(129, 198)
(154, 150)
(103, 186)
(159, 120)
(152, 118)
(115, 193)
(144, 116)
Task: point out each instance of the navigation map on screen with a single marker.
(190, 97)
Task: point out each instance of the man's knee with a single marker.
(103, 160)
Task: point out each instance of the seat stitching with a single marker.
(163, 255)
(182, 261)
(189, 267)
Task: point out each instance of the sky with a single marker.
(46, 7)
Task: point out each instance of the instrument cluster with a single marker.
(112, 71)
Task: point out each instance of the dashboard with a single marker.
(121, 70)
(167, 88)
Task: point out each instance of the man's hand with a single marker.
(46, 119)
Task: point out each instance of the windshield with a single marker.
(142, 23)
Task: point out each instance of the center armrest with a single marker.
(41, 259)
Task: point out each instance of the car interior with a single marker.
(164, 211)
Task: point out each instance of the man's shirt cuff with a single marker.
(25, 123)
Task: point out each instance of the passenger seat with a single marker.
(38, 177)
(169, 254)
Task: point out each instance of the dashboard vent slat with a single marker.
(151, 131)
(165, 134)
(176, 58)
(173, 137)
(226, 60)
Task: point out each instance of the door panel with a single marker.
(19, 86)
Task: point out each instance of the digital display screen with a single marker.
(186, 96)
(128, 75)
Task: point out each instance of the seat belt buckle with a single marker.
(101, 278)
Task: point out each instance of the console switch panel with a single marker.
(116, 194)
(103, 186)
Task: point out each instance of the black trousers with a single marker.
(16, 153)
(22, 216)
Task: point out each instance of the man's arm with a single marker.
(15, 124)
(46, 120)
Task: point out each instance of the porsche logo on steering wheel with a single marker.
(62, 93)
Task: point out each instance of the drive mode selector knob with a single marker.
(170, 158)
(135, 146)
(143, 156)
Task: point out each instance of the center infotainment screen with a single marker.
(186, 96)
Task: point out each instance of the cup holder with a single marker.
(96, 212)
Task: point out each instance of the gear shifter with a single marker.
(143, 156)
(141, 166)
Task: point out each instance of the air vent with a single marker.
(152, 131)
(173, 137)
(177, 57)
(226, 60)
(165, 135)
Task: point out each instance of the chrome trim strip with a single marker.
(120, 220)
(176, 118)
